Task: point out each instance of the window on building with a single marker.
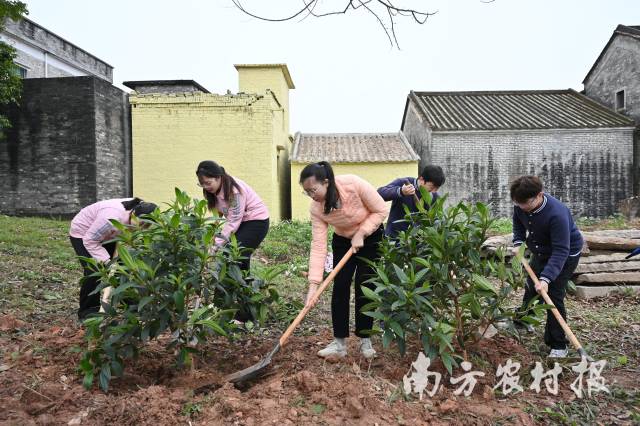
(20, 71)
(620, 100)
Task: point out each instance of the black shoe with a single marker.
(85, 313)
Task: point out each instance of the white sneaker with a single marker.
(366, 348)
(334, 349)
(558, 353)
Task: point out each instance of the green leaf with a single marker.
(376, 315)
(397, 329)
(178, 299)
(447, 361)
(88, 379)
(483, 283)
(125, 256)
(370, 294)
(400, 274)
(175, 220)
(105, 377)
(214, 326)
(122, 288)
(116, 368)
(144, 301)
(398, 303)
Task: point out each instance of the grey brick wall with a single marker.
(112, 141)
(67, 147)
(589, 170)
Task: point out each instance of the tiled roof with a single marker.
(352, 148)
(185, 85)
(513, 110)
(632, 31)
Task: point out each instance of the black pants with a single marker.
(342, 283)
(553, 333)
(249, 235)
(88, 302)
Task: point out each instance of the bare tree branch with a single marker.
(393, 12)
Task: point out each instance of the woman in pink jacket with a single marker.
(246, 214)
(356, 211)
(90, 228)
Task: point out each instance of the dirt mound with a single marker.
(154, 405)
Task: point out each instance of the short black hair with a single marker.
(434, 174)
(525, 187)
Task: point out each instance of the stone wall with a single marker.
(68, 147)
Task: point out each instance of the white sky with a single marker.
(347, 77)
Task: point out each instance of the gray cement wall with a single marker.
(589, 170)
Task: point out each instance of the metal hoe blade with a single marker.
(254, 371)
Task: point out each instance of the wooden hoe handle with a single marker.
(554, 310)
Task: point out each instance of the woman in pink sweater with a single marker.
(246, 214)
(356, 211)
(90, 228)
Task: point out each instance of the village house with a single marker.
(176, 124)
(614, 81)
(482, 140)
(378, 158)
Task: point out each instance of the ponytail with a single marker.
(211, 169)
(320, 171)
(131, 204)
(139, 207)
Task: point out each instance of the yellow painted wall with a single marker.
(378, 174)
(259, 78)
(173, 133)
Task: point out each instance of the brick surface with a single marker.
(67, 147)
(589, 170)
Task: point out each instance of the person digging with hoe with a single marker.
(405, 192)
(356, 211)
(555, 242)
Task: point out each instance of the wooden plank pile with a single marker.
(603, 268)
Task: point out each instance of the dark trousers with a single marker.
(88, 302)
(553, 334)
(249, 235)
(342, 283)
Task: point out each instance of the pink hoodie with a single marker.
(93, 226)
(246, 205)
(362, 209)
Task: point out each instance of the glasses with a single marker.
(528, 205)
(310, 192)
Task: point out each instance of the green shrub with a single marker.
(167, 281)
(436, 284)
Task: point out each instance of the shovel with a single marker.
(258, 369)
(574, 340)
